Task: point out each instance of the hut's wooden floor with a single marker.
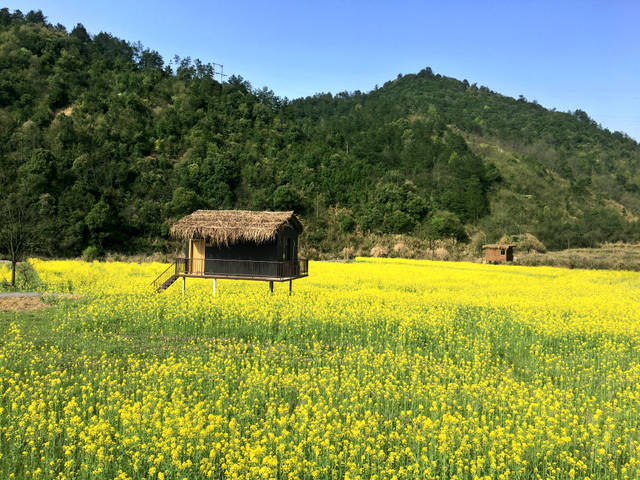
(241, 277)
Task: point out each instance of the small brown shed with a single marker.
(498, 252)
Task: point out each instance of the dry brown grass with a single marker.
(21, 304)
(348, 253)
(613, 256)
(401, 249)
(67, 111)
(379, 251)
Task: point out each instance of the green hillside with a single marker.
(557, 175)
(105, 144)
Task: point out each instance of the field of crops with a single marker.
(376, 369)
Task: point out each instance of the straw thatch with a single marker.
(499, 245)
(226, 227)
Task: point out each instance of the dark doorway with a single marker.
(288, 249)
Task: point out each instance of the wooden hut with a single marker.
(498, 252)
(237, 244)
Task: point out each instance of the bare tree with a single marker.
(15, 237)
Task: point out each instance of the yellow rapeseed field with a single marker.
(375, 369)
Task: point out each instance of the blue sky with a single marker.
(564, 54)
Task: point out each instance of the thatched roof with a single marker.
(499, 245)
(226, 227)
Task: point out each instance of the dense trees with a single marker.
(106, 145)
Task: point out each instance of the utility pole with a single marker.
(220, 72)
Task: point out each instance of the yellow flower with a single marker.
(375, 368)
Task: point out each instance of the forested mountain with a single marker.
(105, 145)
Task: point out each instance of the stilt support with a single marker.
(271, 287)
(290, 286)
(215, 286)
(184, 283)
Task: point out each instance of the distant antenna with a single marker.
(220, 72)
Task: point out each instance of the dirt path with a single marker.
(19, 294)
(31, 294)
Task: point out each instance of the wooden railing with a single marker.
(164, 276)
(241, 268)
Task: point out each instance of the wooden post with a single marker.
(184, 281)
(271, 287)
(290, 285)
(215, 286)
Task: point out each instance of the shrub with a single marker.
(348, 253)
(442, 253)
(91, 253)
(27, 278)
(379, 251)
(530, 242)
(400, 249)
(478, 239)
